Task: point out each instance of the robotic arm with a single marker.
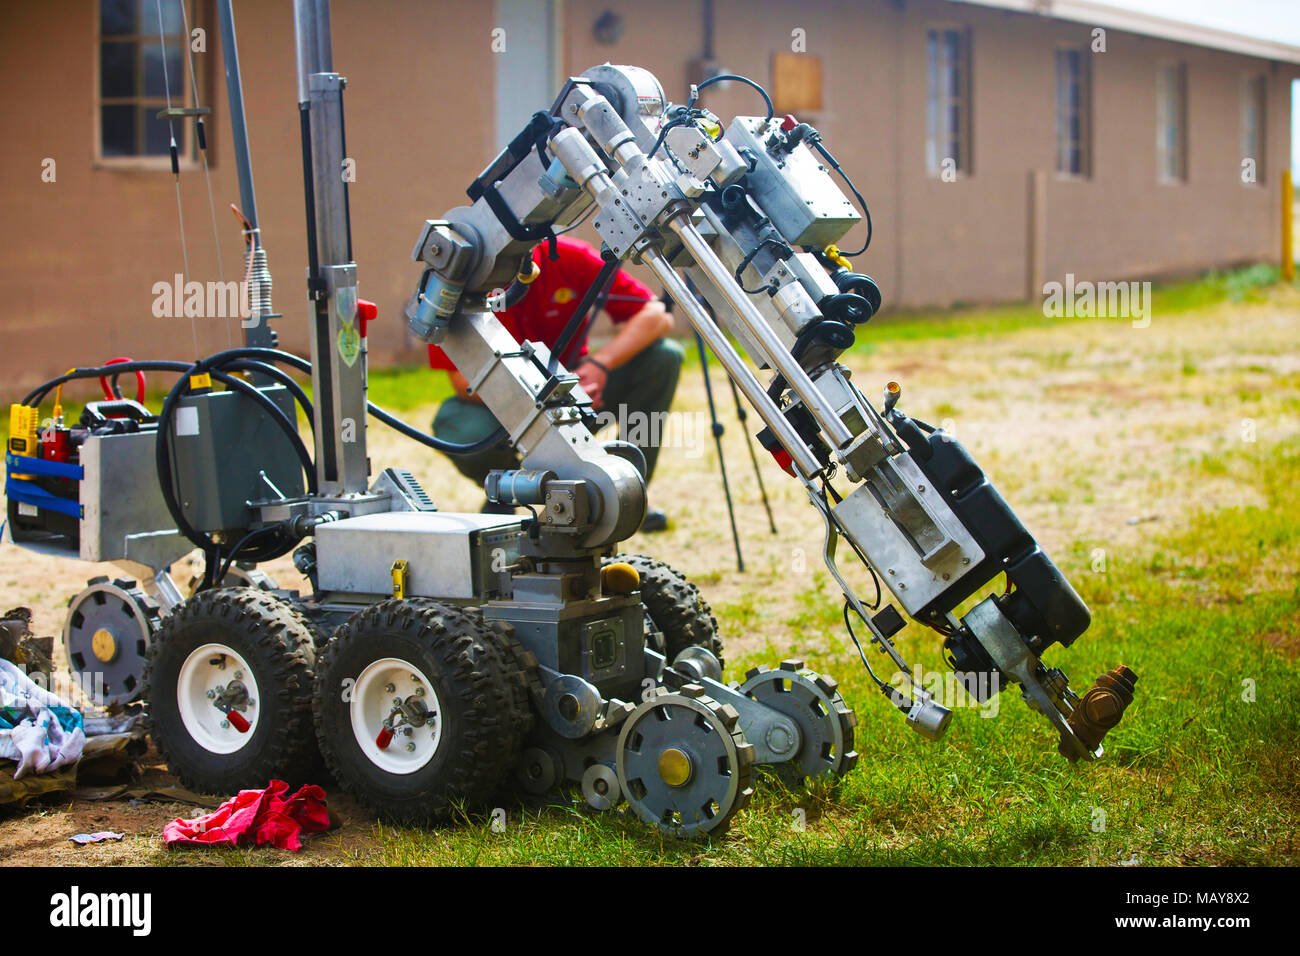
(751, 216)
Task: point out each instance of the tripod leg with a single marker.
(717, 439)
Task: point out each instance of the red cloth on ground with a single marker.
(266, 816)
(542, 314)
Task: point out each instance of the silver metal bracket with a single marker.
(1017, 662)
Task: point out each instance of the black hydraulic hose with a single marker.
(269, 356)
(219, 366)
(866, 210)
(437, 444)
(282, 378)
(214, 552)
(579, 318)
(454, 449)
(37, 395)
(727, 77)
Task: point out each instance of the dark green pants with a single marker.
(643, 388)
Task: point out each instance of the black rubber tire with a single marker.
(519, 668)
(276, 640)
(675, 605)
(482, 690)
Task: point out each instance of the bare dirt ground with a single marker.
(1086, 427)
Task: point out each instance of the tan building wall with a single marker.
(85, 251)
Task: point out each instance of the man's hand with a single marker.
(647, 326)
(592, 378)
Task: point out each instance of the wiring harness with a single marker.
(268, 541)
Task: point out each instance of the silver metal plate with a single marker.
(447, 554)
(915, 570)
(123, 512)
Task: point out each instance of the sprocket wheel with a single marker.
(106, 637)
(684, 765)
(814, 703)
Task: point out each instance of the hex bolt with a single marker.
(225, 725)
(389, 688)
(410, 748)
(239, 675)
(212, 695)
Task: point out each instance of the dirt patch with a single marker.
(38, 834)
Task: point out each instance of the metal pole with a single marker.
(338, 351)
(258, 333)
(802, 459)
(775, 352)
(235, 97)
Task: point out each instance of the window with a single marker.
(947, 144)
(139, 62)
(1073, 113)
(1254, 122)
(1171, 123)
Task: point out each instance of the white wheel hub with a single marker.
(218, 699)
(396, 717)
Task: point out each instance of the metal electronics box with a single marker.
(228, 451)
(447, 555)
(795, 189)
(123, 515)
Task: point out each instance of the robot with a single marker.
(441, 655)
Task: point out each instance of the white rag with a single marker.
(38, 742)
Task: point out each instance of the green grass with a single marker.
(1196, 774)
(403, 387)
(1168, 298)
(1203, 610)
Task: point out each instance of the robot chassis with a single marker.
(442, 653)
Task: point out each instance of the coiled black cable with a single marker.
(725, 77)
(220, 366)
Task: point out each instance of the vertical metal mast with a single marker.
(259, 332)
(337, 349)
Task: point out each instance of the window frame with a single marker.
(1183, 173)
(186, 139)
(1245, 96)
(1084, 80)
(965, 101)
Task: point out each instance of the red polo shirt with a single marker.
(542, 314)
